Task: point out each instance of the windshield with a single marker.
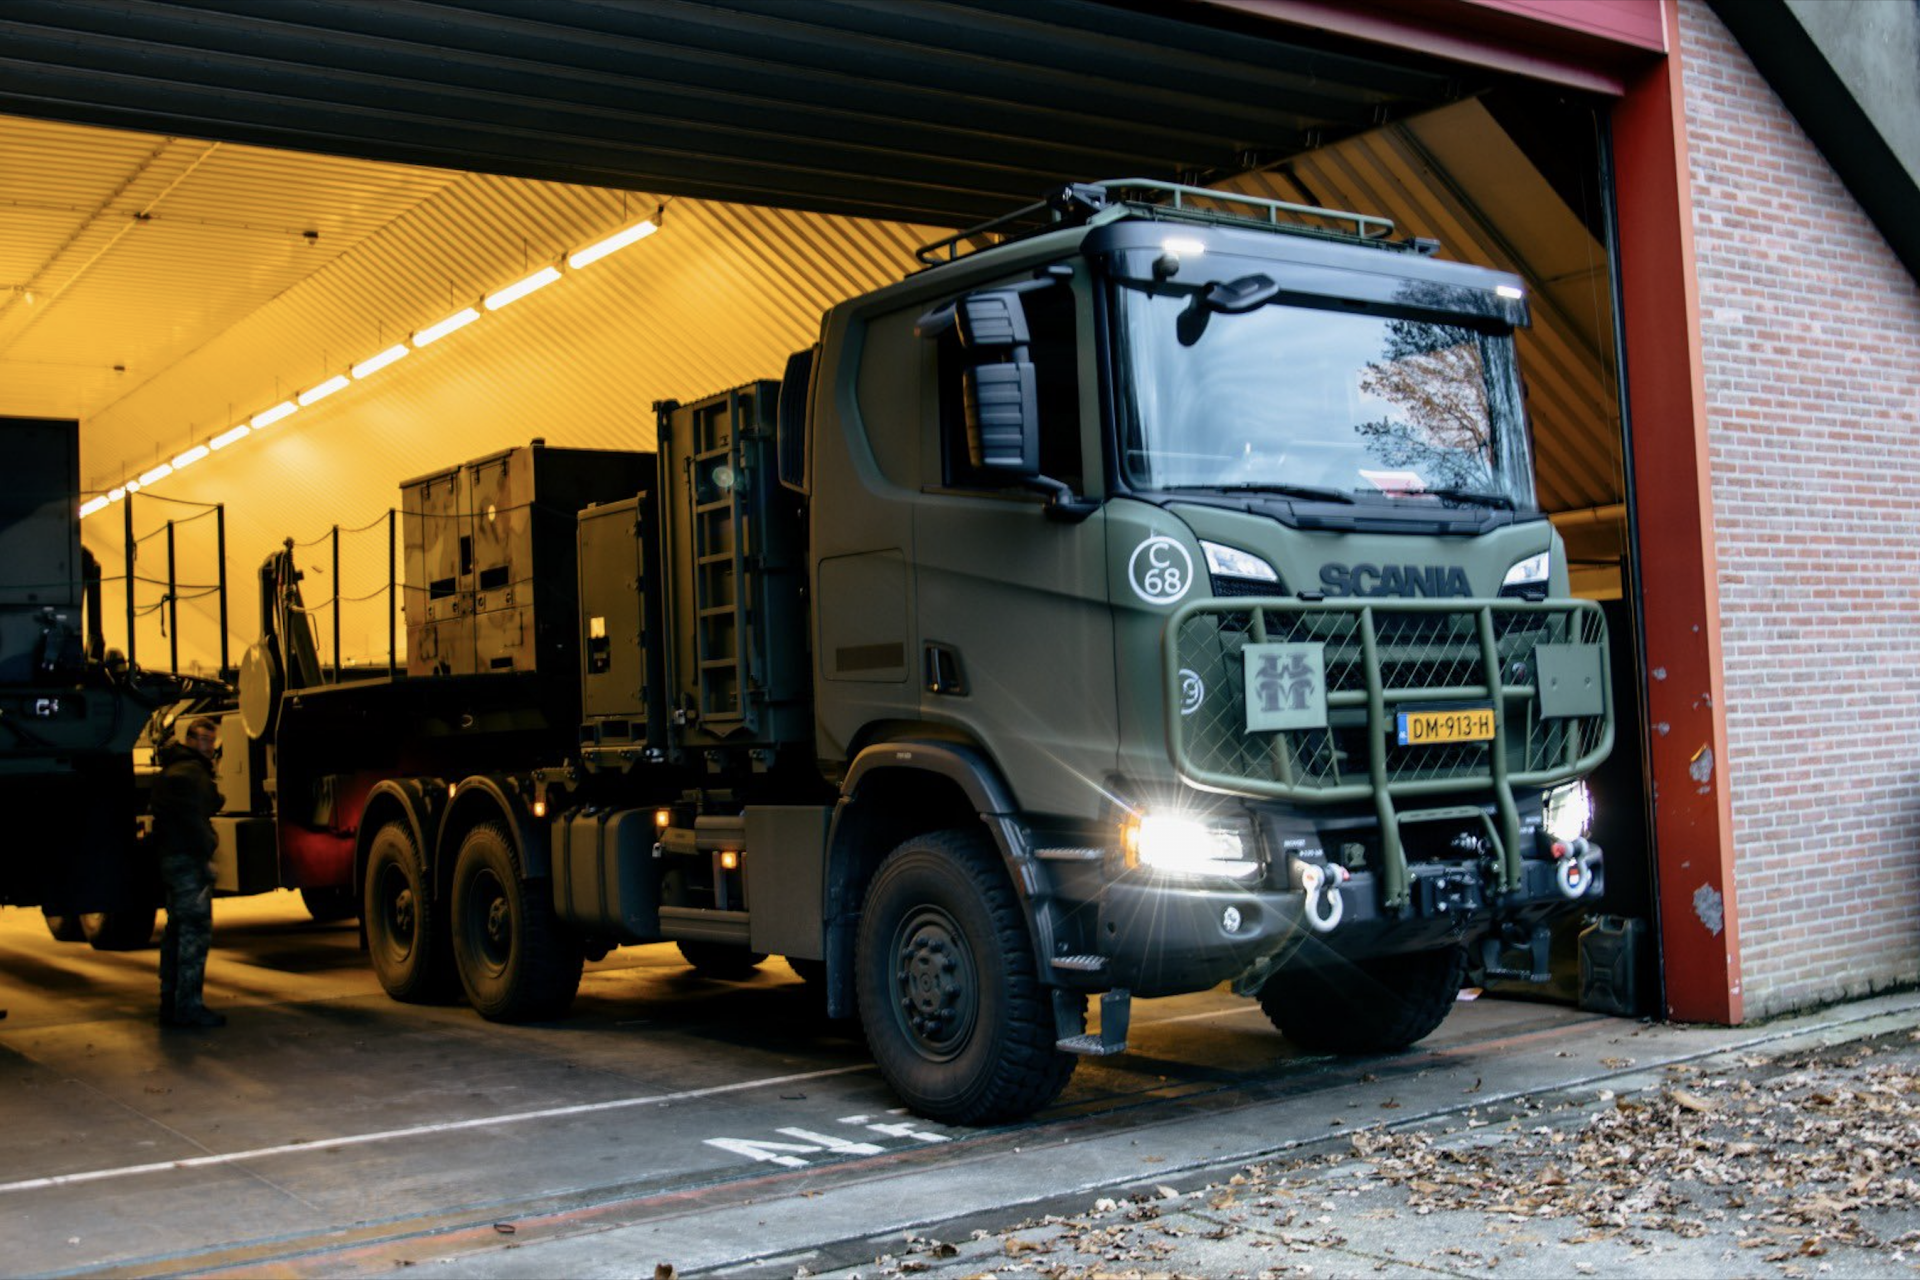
(1311, 403)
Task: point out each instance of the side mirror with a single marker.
(790, 420)
(1003, 418)
(990, 320)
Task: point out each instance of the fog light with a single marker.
(1188, 846)
(1567, 812)
(1230, 919)
(661, 817)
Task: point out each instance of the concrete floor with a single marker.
(328, 1129)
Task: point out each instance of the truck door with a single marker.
(1016, 637)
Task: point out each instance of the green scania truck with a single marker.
(1148, 594)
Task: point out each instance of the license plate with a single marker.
(1432, 728)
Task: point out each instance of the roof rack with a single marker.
(1079, 202)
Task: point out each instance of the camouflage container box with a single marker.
(490, 557)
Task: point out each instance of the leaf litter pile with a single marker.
(1794, 1158)
(1790, 1158)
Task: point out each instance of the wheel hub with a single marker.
(937, 991)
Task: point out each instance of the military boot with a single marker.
(195, 1018)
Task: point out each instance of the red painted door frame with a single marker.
(1672, 509)
(1629, 50)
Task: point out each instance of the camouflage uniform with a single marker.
(184, 799)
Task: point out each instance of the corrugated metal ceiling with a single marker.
(939, 110)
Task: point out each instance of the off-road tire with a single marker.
(942, 933)
(517, 960)
(718, 960)
(406, 928)
(330, 906)
(130, 930)
(64, 928)
(1379, 1005)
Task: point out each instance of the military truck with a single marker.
(71, 709)
(1147, 594)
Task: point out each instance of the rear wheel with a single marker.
(516, 959)
(949, 995)
(118, 930)
(718, 960)
(406, 935)
(1366, 1006)
(330, 905)
(64, 928)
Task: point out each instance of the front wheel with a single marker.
(949, 996)
(118, 930)
(516, 959)
(1378, 1005)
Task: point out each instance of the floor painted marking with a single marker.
(1207, 1013)
(420, 1130)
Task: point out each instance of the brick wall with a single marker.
(1811, 331)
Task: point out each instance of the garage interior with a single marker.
(210, 214)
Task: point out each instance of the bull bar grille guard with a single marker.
(1380, 659)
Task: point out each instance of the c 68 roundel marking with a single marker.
(1160, 571)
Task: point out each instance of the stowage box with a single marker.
(490, 557)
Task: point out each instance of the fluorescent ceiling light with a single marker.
(374, 364)
(160, 472)
(521, 288)
(231, 436)
(612, 244)
(92, 505)
(322, 391)
(458, 320)
(191, 456)
(114, 495)
(267, 417)
(133, 486)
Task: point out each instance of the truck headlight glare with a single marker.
(1231, 562)
(1567, 812)
(1529, 572)
(1188, 846)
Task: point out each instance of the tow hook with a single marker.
(1574, 875)
(1320, 882)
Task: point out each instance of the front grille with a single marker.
(1424, 654)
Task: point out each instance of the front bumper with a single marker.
(1164, 935)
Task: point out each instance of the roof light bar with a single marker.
(612, 244)
(267, 417)
(521, 288)
(434, 332)
(322, 391)
(1509, 291)
(374, 364)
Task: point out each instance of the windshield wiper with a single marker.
(1497, 500)
(1284, 490)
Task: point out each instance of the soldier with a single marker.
(184, 802)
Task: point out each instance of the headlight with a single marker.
(1231, 562)
(1189, 846)
(1529, 572)
(1567, 812)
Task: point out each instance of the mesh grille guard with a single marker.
(1340, 736)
